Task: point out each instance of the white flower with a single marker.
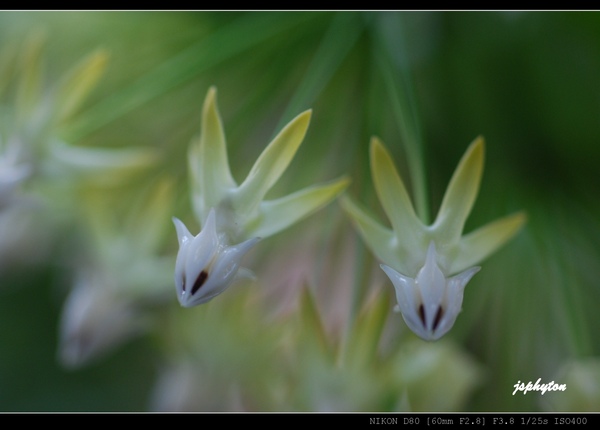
(117, 291)
(430, 302)
(231, 213)
(95, 319)
(206, 265)
(242, 211)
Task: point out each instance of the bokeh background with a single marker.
(315, 331)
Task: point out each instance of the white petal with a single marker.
(220, 275)
(431, 283)
(408, 299)
(429, 303)
(456, 287)
(185, 238)
(202, 251)
(183, 234)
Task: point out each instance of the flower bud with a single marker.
(205, 264)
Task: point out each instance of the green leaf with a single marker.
(237, 37)
(479, 244)
(311, 320)
(343, 33)
(367, 331)
(460, 194)
(393, 196)
(276, 215)
(271, 164)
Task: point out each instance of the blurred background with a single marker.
(97, 110)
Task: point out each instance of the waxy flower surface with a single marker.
(205, 265)
(237, 214)
(420, 259)
(431, 302)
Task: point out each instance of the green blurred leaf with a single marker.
(365, 337)
(312, 323)
(238, 36)
(77, 84)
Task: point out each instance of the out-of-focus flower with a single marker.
(581, 380)
(182, 387)
(419, 258)
(32, 115)
(40, 110)
(41, 117)
(13, 171)
(240, 213)
(437, 376)
(100, 166)
(96, 318)
(117, 290)
(205, 264)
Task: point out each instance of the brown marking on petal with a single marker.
(183, 283)
(200, 281)
(422, 315)
(438, 317)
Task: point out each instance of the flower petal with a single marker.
(271, 164)
(460, 194)
(205, 265)
(430, 303)
(479, 244)
(380, 240)
(208, 163)
(202, 248)
(218, 277)
(394, 197)
(408, 300)
(277, 215)
(183, 234)
(454, 299)
(456, 286)
(431, 283)
(104, 165)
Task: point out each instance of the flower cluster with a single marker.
(419, 259)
